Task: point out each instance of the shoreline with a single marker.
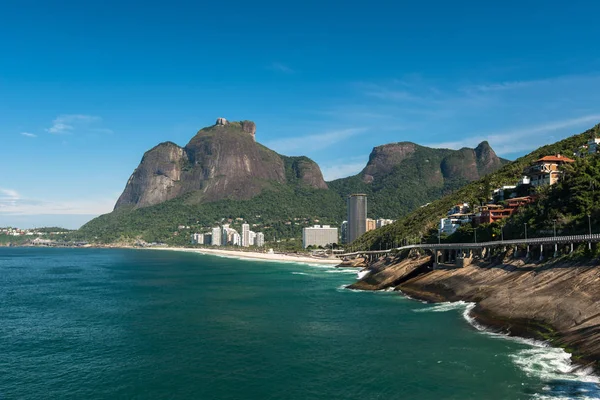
(240, 255)
(556, 303)
(250, 255)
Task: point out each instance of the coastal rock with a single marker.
(559, 302)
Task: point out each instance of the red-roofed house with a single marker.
(545, 171)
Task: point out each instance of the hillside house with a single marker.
(546, 170)
(592, 145)
(451, 223)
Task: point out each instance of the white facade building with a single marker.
(198, 238)
(381, 222)
(252, 238)
(216, 236)
(237, 239)
(260, 239)
(245, 235)
(319, 236)
(450, 224)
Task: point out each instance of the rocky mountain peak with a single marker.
(221, 161)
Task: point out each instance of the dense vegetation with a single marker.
(412, 182)
(279, 213)
(568, 202)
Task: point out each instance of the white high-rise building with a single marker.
(225, 235)
(252, 238)
(245, 235)
(216, 236)
(319, 236)
(260, 239)
(198, 238)
(236, 240)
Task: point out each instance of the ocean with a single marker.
(142, 324)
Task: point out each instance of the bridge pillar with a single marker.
(528, 254)
(541, 252)
(556, 253)
(571, 247)
(515, 251)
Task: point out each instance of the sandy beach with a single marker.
(254, 255)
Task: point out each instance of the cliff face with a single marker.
(221, 161)
(437, 164)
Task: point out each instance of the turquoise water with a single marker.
(109, 324)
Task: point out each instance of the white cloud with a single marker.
(27, 134)
(8, 198)
(279, 67)
(523, 139)
(313, 142)
(68, 123)
(12, 203)
(341, 170)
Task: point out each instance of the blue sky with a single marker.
(87, 87)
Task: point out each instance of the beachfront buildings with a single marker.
(260, 239)
(319, 236)
(245, 235)
(357, 216)
(225, 235)
(216, 236)
(344, 232)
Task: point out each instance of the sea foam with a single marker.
(551, 365)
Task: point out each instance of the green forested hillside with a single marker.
(423, 175)
(279, 213)
(569, 202)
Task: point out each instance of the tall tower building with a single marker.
(357, 216)
(245, 235)
(260, 239)
(344, 232)
(216, 236)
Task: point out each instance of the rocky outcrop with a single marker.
(304, 171)
(559, 302)
(157, 178)
(383, 159)
(487, 160)
(440, 164)
(400, 177)
(221, 161)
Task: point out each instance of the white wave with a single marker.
(443, 307)
(299, 273)
(363, 273)
(341, 271)
(551, 365)
(562, 379)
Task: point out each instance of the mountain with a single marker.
(222, 161)
(400, 177)
(223, 175)
(568, 202)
